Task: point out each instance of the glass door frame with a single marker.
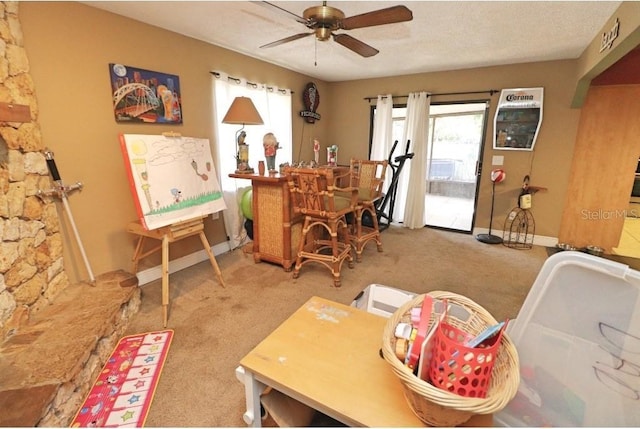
(479, 162)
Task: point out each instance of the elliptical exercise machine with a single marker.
(389, 199)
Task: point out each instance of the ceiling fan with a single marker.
(325, 20)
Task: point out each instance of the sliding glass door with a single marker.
(455, 143)
(456, 134)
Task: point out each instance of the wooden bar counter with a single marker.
(276, 232)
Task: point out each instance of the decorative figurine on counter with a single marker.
(283, 166)
(332, 155)
(271, 145)
(242, 156)
(316, 151)
(242, 137)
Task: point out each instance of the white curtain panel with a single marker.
(382, 128)
(383, 133)
(274, 106)
(412, 187)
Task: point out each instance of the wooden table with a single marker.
(326, 355)
(167, 235)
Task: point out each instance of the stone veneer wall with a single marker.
(31, 265)
(35, 328)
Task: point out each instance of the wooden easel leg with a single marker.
(136, 254)
(165, 279)
(212, 257)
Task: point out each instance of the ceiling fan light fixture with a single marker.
(323, 33)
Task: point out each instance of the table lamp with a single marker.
(242, 111)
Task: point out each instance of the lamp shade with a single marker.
(242, 111)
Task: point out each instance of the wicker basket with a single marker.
(438, 407)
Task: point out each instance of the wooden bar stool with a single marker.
(325, 233)
(368, 177)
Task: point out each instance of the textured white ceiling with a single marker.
(443, 35)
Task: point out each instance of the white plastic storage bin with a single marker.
(381, 300)
(578, 340)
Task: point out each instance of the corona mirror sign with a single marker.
(311, 100)
(518, 118)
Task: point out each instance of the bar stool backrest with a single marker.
(368, 176)
(313, 193)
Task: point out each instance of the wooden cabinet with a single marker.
(276, 231)
(602, 172)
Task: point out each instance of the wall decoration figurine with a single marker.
(271, 145)
(145, 96)
(311, 100)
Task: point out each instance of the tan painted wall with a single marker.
(592, 62)
(548, 165)
(70, 45)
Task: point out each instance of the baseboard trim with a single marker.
(538, 240)
(155, 273)
(151, 274)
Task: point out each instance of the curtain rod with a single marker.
(490, 91)
(254, 85)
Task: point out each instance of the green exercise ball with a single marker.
(246, 204)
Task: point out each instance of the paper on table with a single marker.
(425, 354)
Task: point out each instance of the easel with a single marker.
(170, 234)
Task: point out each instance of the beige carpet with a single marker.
(215, 327)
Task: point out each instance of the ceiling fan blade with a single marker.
(377, 17)
(355, 45)
(277, 8)
(286, 40)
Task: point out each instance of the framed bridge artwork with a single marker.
(145, 96)
(172, 178)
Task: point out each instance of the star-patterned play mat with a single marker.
(122, 394)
